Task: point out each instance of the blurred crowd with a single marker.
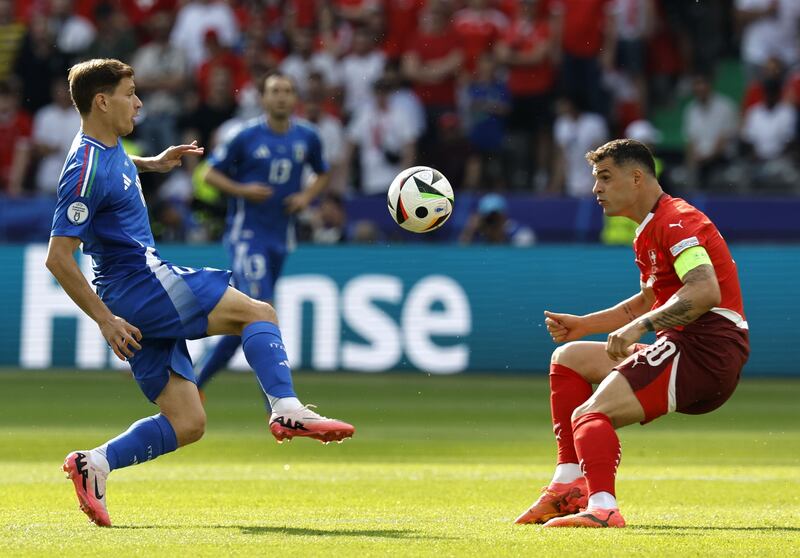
(499, 95)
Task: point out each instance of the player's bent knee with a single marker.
(561, 354)
(190, 428)
(261, 312)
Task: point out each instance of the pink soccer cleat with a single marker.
(90, 486)
(556, 500)
(306, 423)
(593, 517)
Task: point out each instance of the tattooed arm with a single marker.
(699, 294)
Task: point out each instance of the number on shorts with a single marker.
(659, 351)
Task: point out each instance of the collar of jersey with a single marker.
(96, 142)
(650, 215)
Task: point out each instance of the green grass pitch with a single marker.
(439, 466)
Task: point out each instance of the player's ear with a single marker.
(638, 176)
(101, 102)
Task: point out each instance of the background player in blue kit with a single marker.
(261, 170)
(146, 307)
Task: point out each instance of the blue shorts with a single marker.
(168, 304)
(256, 266)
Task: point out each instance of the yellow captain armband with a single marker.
(690, 259)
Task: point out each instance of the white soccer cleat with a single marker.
(307, 423)
(90, 486)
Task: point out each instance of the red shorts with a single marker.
(692, 371)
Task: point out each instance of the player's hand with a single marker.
(296, 202)
(563, 327)
(620, 343)
(256, 192)
(122, 337)
(171, 156)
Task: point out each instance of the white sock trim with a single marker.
(284, 404)
(567, 472)
(603, 500)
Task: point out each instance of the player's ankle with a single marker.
(566, 472)
(284, 404)
(603, 501)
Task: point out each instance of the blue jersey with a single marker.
(258, 154)
(100, 201)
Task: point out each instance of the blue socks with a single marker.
(217, 358)
(146, 439)
(263, 348)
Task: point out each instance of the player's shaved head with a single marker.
(624, 152)
(101, 75)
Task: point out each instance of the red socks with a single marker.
(598, 449)
(568, 389)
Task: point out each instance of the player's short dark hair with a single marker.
(624, 151)
(262, 84)
(100, 75)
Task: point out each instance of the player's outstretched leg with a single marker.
(263, 348)
(567, 492)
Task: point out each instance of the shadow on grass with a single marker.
(298, 531)
(775, 529)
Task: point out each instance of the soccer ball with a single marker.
(420, 199)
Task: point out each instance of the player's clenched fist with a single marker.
(563, 327)
(121, 336)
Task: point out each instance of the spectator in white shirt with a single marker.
(710, 123)
(385, 138)
(768, 134)
(576, 131)
(54, 129)
(769, 127)
(769, 28)
(194, 19)
(74, 33)
(304, 60)
(361, 69)
(161, 77)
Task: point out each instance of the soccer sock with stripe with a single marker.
(599, 452)
(217, 358)
(264, 350)
(146, 439)
(568, 389)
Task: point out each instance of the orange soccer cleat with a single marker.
(593, 517)
(90, 486)
(308, 424)
(556, 500)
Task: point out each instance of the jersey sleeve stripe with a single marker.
(78, 189)
(91, 166)
(95, 157)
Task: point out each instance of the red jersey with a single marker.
(671, 227)
(15, 129)
(477, 31)
(402, 17)
(584, 26)
(533, 79)
(429, 48)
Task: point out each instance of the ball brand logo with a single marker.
(439, 209)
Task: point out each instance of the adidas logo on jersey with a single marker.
(126, 181)
(262, 152)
